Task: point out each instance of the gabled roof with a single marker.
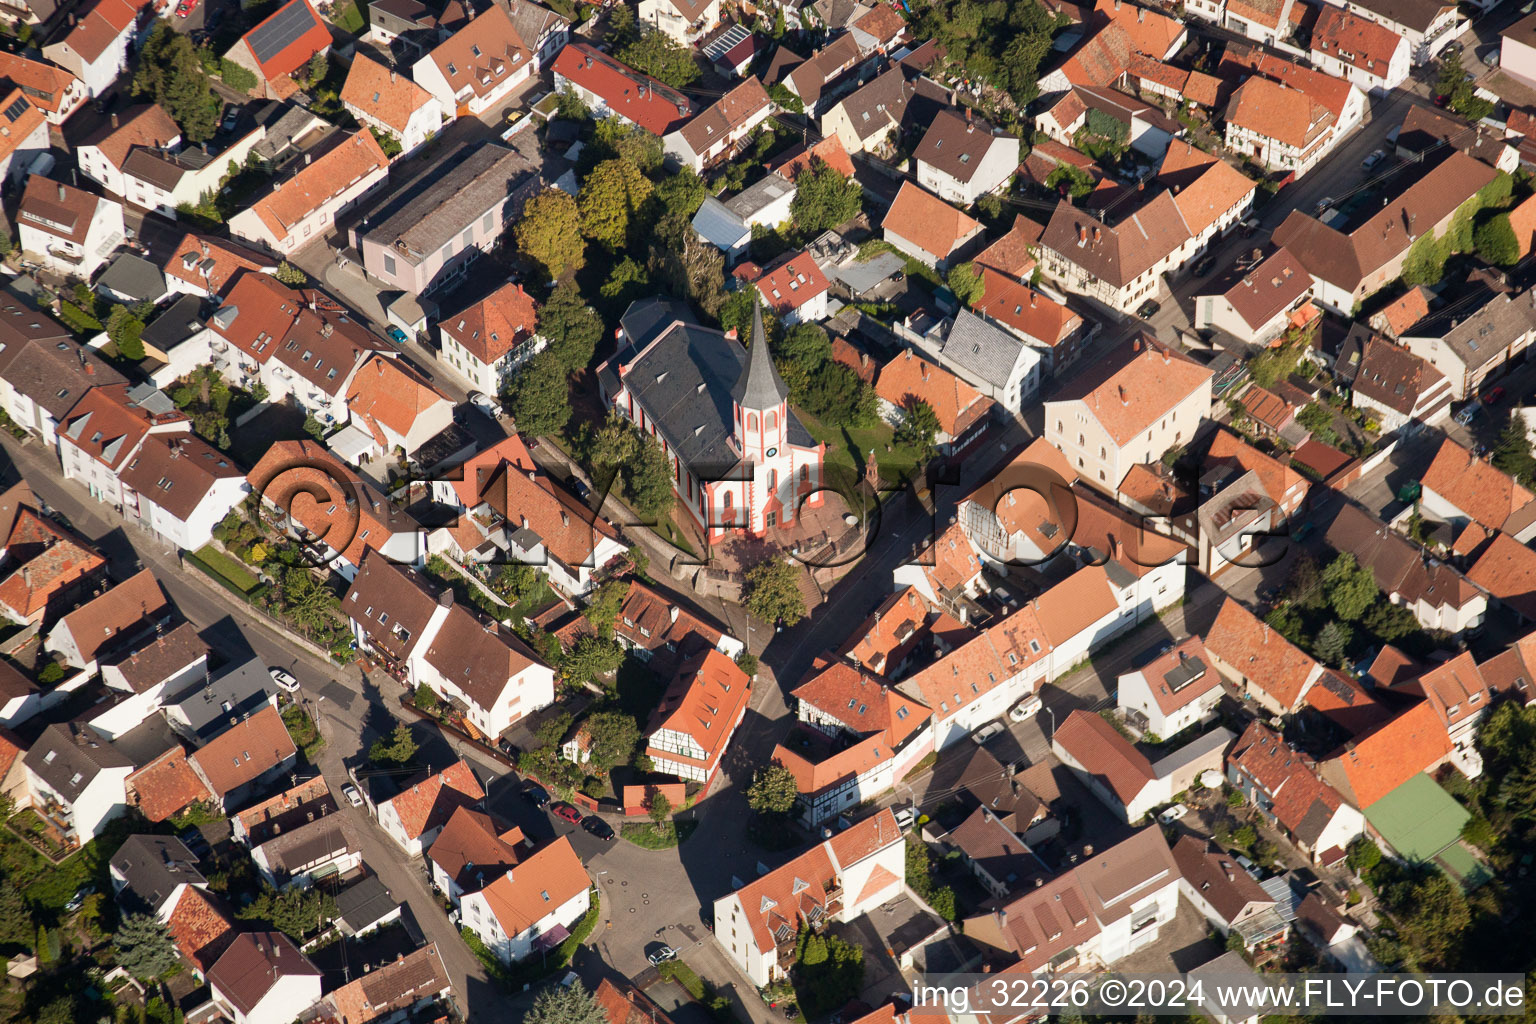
(636, 97)
(727, 115)
(245, 751)
(393, 987)
(1135, 385)
(1013, 254)
(548, 879)
(1277, 477)
(1369, 767)
(109, 423)
(862, 703)
(1023, 309)
(212, 263)
(287, 39)
(1395, 377)
(1181, 675)
(253, 965)
(387, 393)
(1358, 42)
(1329, 90)
(316, 183)
(957, 144)
(1104, 754)
(44, 84)
(39, 359)
(974, 668)
(176, 471)
(1218, 878)
(58, 209)
(201, 928)
(790, 282)
(705, 701)
(884, 639)
(798, 158)
(69, 757)
(123, 612)
(473, 850)
(382, 93)
(956, 404)
(1400, 567)
(152, 867)
(1268, 660)
(1507, 570)
(43, 561)
(96, 29)
(495, 325)
(568, 529)
(1300, 800)
(478, 657)
(483, 54)
(430, 802)
(1119, 254)
(392, 603)
(1396, 317)
(809, 79)
(1272, 110)
(928, 222)
(159, 658)
(1488, 496)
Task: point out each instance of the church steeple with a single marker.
(760, 386)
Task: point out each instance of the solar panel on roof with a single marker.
(16, 109)
(280, 31)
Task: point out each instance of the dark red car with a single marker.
(185, 7)
(1494, 397)
(565, 811)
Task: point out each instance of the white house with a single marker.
(683, 21)
(67, 229)
(839, 880)
(43, 370)
(50, 88)
(694, 722)
(154, 872)
(476, 67)
(397, 408)
(1428, 26)
(180, 487)
(718, 131)
(143, 673)
(383, 98)
(262, 978)
(76, 777)
(961, 159)
(96, 47)
(414, 816)
(793, 286)
(1175, 691)
(24, 135)
(1121, 776)
(611, 88)
(485, 343)
(302, 204)
(533, 906)
(1364, 52)
(103, 432)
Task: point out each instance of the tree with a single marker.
(236, 76)
(1495, 242)
(1351, 587)
(648, 482)
(773, 591)
(1389, 622)
(143, 947)
(614, 137)
(125, 330)
(58, 1011)
(591, 658)
(1363, 856)
(426, 697)
(318, 67)
(660, 808)
(539, 399)
(773, 790)
(170, 74)
(1451, 74)
(1512, 454)
(1425, 262)
(565, 1004)
(824, 198)
(1074, 180)
(965, 281)
(291, 275)
(681, 193)
(549, 232)
(15, 916)
(398, 749)
(570, 326)
(627, 282)
(614, 738)
(610, 197)
(622, 28)
(1432, 915)
(919, 427)
(602, 609)
(657, 55)
(736, 315)
(296, 912)
(1332, 641)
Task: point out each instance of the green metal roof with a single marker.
(1418, 818)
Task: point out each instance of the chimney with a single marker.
(308, 159)
(1088, 851)
(672, 613)
(1095, 235)
(1082, 234)
(392, 76)
(114, 116)
(61, 193)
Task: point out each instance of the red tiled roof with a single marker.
(956, 404)
(863, 704)
(927, 221)
(431, 802)
(1137, 385)
(1106, 755)
(1507, 570)
(124, 609)
(706, 700)
(244, 751)
(50, 561)
(200, 927)
(1377, 763)
(497, 324)
(518, 898)
(385, 392)
(1023, 309)
(1269, 661)
(790, 282)
(1486, 494)
(829, 151)
(294, 54)
(167, 785)
(316, 184)
(639, 98)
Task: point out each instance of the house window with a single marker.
(771, 420)
(389, 265)
(751, 421)
(771, 520)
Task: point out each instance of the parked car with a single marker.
(598, 827)
(1324, 203)
(1250, 227)
(485, 404)
(1173, 814)
(1148, 309)
(1376, 157)
(565, 812)
(1026, 709)
(231, 120)
(396, 335)
(507, 747)
(353, 796)
(284, 680)
(78, 899)
(986, 732)
(1468, 414)
(192, 839)
(185, 7)
(1493, 397)
(1254, 871)
(662, 955)
(1205, 266)
(578, 488)
(535, 794)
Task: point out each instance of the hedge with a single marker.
(249, 596)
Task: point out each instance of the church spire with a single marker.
(760, 386)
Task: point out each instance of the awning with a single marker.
(552, 938)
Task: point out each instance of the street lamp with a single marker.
(1047, 710)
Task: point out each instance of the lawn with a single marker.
(302, 729)
(846, 449)
(233, 571)
(651, 836)
(350, 20)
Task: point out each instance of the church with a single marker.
(741, 460)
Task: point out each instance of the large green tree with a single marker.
(610, 198)
(648, 481)
(565, 1004)
(773, 790)
(1350, 586)
(590, 659)
(1495, 242)
(143, 947)
(919, 426)
(570, 326)
(773, 591)
(1332, 642)
(124, 328)
(16, 925)
(965, 281)
(614, 736)
(169, 73)
(659, 56)
(539, 399)
(824, 198)
(1513, 454)
(549, 232)
(396, 750)
(615, 137)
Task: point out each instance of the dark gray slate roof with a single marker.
(151, 867)
(984, 349)
(133, 276)
(760, 387)
(68, 757)
(365, 903)
(180, 321)
(684, 382)
(244, 688)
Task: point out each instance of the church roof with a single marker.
(760, 386)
